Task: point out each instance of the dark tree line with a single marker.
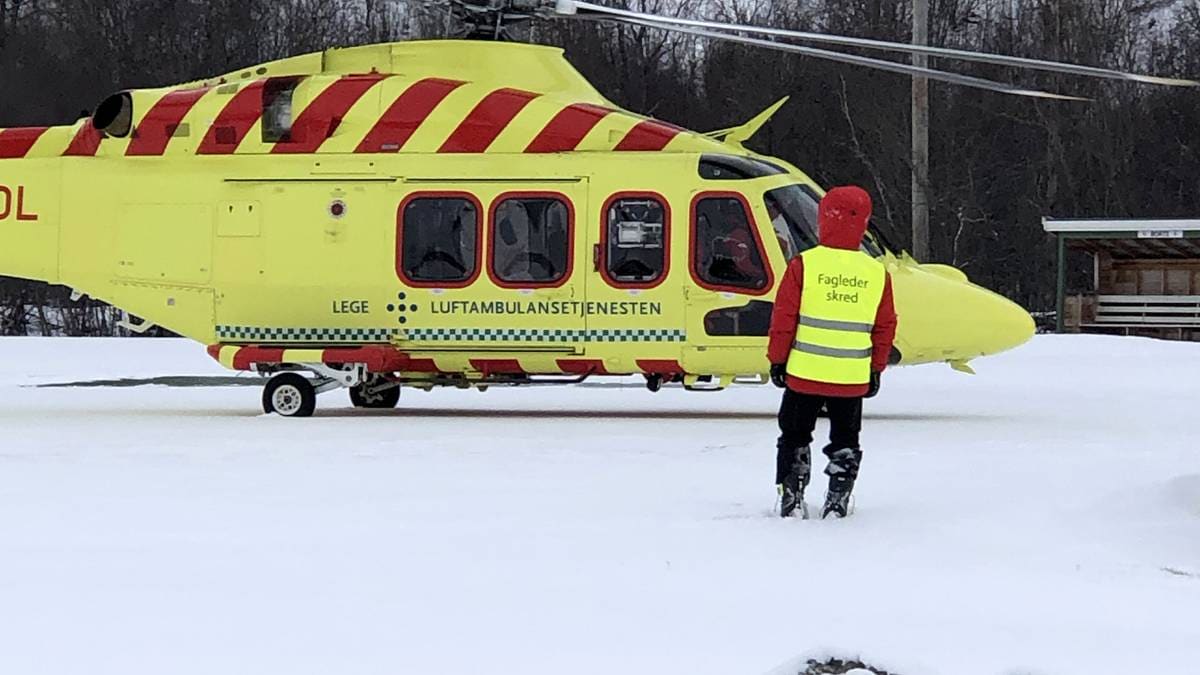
(999, 163)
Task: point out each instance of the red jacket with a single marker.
(838, 230)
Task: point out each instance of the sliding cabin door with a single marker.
(634, 316)
(495, 269)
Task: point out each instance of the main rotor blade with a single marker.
(840, 57)
(882, 45)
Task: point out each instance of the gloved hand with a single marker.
(779, 375)
(873, 387)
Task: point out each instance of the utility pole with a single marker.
(920, 137)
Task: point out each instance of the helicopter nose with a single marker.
(945, 317)
(1006, 325)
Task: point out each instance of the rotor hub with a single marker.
(493, 19)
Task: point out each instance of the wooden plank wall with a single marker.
(1147, 277)
(1134, 277)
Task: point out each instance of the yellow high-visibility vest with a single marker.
(841, 295)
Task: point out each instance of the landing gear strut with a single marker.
(290, 394)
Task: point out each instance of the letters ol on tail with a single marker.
(12, 204)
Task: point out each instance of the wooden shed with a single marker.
(1145, 280)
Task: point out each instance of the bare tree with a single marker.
(998, 163)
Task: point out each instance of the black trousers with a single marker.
(798, 418)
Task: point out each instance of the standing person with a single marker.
(831, 335)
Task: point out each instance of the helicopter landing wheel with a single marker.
(654, 382)
(289, 395)
(375, 394)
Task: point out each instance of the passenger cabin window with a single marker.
(277, 109)
(725, 249)
(635, 241)
(531, 241)
(438, 241)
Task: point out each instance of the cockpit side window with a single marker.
(793, 211)
(636, 240)
(531, 240)
(438, 240)
(277, 109)
(726, 250)
(871, 245)
(793, 214)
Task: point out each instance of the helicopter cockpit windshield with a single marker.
(793, 211)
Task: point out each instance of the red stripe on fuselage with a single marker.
(234, 122)
(484, 124)
(567, 129)
(490, 367)
(660, 367)
(325, 113)
(421, 366)
(649, 135)
(406, 114)
(15, 143)
(583, 366)
(154, 133)
(377, 358)
(246, 357)
(86, 142)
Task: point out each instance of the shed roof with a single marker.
(1159, 239)
(1110, 226)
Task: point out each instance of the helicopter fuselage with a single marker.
(465, 212)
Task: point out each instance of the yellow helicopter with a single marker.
(461, 213)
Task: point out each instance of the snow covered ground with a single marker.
(1042, 517)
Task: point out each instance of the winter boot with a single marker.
(793, 468)
(842, 471)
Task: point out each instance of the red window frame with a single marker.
(752, 222)
(479, 215)
(604, 225)
(491, 239)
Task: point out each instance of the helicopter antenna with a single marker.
(728, 32)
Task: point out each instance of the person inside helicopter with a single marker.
(731, 254)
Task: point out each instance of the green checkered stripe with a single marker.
(636, 335)
(544, 336)
(259, 334)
